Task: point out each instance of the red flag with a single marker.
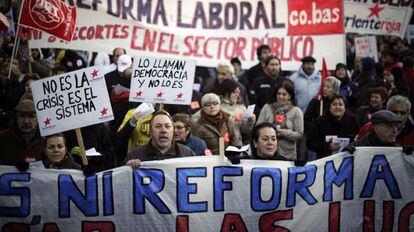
(324, 75)
(51, 16)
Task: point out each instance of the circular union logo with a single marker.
(47, 14)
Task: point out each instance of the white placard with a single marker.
(162, 80)
(366, 46)
(71, 100)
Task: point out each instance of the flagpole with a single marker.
(16, 38)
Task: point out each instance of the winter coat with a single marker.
(208, 132)
(313, 112)
(293, 128)
(195, 144)
(67, 163)
(15, 149)
(329, 125)
(149, 152)
(263, 91)
(306, 87)
(243, 127)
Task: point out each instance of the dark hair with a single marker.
(255, 135)
(30, 76)
(184, 118)
(289, 87)
(54, 135)
(235, 60)
(390, 53)
(337, 96)
(227, 87)
(160, 112)
(123, 49)
(382, 91)
(260, 49)
(271, 57)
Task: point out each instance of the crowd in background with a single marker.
(291, 120)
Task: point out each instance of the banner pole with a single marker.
(161, 107)
(221, 146)
(321, 107)
(16, 38)
(81, 146)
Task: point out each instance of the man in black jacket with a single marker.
(161, 146)
(384, 134)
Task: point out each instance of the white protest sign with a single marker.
(410, 32)
(366, 46)
(71, 100)
(377, 17)
(162, 80)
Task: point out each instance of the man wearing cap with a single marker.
(21, 142)
(161, 146)
(384, 133)
(307, 81)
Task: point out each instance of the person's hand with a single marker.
(134, 163)
(136, 116)
(334, 146)
(31, 60)
(281, 132)
(252, 118)
(351, 149)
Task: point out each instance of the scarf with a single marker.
(217, 120)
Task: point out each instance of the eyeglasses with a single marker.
(208, 104)
(399, 112)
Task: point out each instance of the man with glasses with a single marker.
(385, 125)
(401, 107)
(21, 143)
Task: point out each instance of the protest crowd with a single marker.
(298, 116)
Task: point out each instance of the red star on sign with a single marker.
(104, 111)
(47, 121)
(180, 95)
(139, 93)
(375, 10)
(159, 94)
(94, 73)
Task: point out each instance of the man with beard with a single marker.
(263, 89)
(21, 143)
(161, 146)
(307, 82)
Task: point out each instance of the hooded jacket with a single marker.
(306, 86)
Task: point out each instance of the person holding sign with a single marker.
(56, 155)
(230, 93)
(211, 123)
(334, 130)
(287, 117)
(161, 146)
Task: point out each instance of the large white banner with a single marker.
(377, 17)
(371, 190)
(160, 80)
(71, 100)
(209, 31)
